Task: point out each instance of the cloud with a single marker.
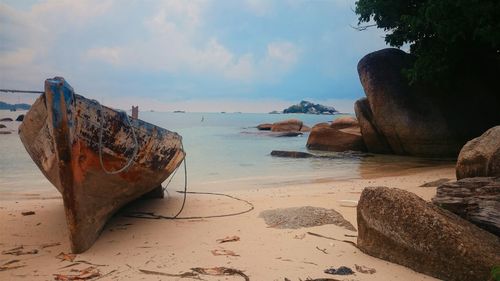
(175, 44)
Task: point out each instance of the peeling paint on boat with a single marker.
(61, 134)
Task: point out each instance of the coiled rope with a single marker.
(134, 137)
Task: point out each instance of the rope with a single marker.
(21, 91)
(153, 216)
(101, 129)
(185, 184)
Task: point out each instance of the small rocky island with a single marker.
(310, 108)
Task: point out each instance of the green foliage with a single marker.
(495, 273)
(446, 36)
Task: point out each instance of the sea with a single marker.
(225, 152)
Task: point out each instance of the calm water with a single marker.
(224, 152)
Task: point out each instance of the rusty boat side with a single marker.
(61, 133)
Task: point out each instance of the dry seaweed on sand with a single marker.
(226, 239)
(181, 275)
(307, 216)
(82, 274)
(8, 265)
(48, 245)
(224, 252)
(220, 271)
(196, 271)
(331, 238)
(18, 251)
(66, 257)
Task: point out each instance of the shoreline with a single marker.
(128, 245)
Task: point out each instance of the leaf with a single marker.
(223, 252)
(228, 239)
(66, 257)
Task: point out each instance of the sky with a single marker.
(203, 56)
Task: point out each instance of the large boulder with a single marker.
(480, 157)
(421, 120)
(400, 227)
(373, 140)
(474, 199)
(289, 125)
(342, 135)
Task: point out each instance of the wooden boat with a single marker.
(96, 157)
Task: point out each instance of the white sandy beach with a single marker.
(128, 245)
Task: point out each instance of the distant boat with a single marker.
(96, 157)
(179, 111)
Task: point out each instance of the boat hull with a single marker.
(61, 134)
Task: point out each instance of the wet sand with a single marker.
(172, 247)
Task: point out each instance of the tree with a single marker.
(450, 39)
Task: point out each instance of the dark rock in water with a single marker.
(6, 119)
(289, 125)
(2, 126)
(343, 270)
(342, 135)
(265, 127)
(400, 227)
(288, 134)
(480, 157)
(20, 118)
(419, 119)
(5, 132)
(474, 199)
(291, 154)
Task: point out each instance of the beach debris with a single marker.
(220, 271)
(331, 238)
(307, 216)
(181, 275)
(8, 265)
(81, 274)
(343, 270)
(322, 279)
(28, 213)
(48, 245)
(364, 269)
(89, 263)
(66, 257)
(322, 250)
(224, 252)
(18, 251)
(435, 183)
(233, 238)
(300, 236)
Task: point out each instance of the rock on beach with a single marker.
(400, 227)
